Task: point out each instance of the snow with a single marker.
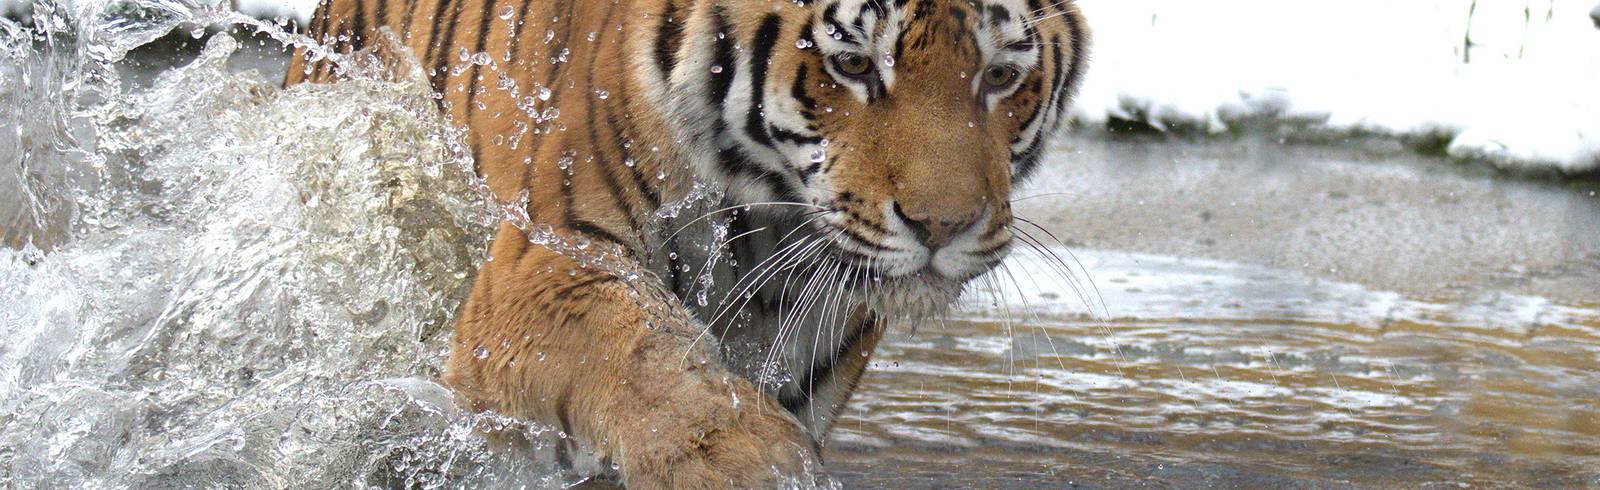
(1526, 94)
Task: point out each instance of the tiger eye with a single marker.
(852, 64)
(999, 76)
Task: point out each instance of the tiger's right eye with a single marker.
(853, 65)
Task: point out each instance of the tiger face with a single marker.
(903, 123)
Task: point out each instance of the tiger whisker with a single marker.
(1037, 323)
(709, 214)
(761, 267)
(1074, 256)
(1057, 266)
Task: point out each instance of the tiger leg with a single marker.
(545, 339)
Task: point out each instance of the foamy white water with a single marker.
(239, 285)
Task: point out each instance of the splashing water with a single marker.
(212, 281)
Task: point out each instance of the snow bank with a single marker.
(1525, 94)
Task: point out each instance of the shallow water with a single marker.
(1279, 316)
(1216, 373)
(211, 281)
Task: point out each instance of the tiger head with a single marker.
(905, 123)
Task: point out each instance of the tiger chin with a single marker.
(764, 182)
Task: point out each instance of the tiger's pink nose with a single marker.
(935, 230)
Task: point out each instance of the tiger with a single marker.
(719, 206)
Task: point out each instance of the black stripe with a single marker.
(613, 187)
(997, 14)
(358, 27)
(1080, 54)
(766, 37)
(598, 279)
(319, 20)
(788, 136)
(652, 197)
(798, 90)
(381, 13)
(1029, 159)
(404, 29)
(900, 45)
(435, 45)
(325, 66)
(811, 170)
(871, 226)
(1036, 87)
(722, 58)
(594, 230)
(592, 102)
(830, 16)
(857, 236)
(560, 69)
(668, 36)
(516, 28)
(477, 69)
(733, 163)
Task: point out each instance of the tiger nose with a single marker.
(934, 229)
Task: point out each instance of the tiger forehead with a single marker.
(863, 23)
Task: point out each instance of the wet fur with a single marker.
(739, 94)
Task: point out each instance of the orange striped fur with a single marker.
(888, 132)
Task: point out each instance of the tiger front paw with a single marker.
(726, 448)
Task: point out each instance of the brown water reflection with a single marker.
(1235, 402)
(1227, 374)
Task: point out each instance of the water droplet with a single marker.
(481, 352)
(819, 155)
(508, 13)
(592, 36)
(602, 94)
(716, 68)
(802, 43)
(544, 93)
(888, 60)
(481, 59)
(628, 162)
